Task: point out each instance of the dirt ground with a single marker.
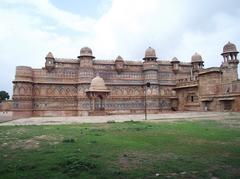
(5, 118)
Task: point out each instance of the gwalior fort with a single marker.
(88, 86)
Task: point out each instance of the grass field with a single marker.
(200, 149)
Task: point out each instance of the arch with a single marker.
(21, 90)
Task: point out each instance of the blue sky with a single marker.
(32, 28)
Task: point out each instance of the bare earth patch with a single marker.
(161, 117)
(130, 161)
(35, 142)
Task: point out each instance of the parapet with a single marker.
(210, 70)
(24, 74)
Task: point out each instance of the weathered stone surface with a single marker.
(62, 87)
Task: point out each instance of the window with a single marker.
(227, 105)
(192, 98)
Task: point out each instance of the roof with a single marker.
(196, 58)
(229, 47)
(98, 85)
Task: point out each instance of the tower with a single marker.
(150, 67)
(85, 76)
(119, 64)
(197, 64)
(86, 72)
(229, 66)
(22, 92)
(175, 65)
(50, 62)
(150, 72)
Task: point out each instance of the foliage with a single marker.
(3, 96)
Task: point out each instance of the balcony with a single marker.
(186, 83)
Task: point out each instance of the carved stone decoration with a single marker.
(119, 64)
(97, 94)
(67, 87)
(50, 62)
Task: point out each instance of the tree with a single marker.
(3, 96)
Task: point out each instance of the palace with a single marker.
(85, 86)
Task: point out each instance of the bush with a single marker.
(71, 140)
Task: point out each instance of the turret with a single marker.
(119, 64)
(197, 65)
(86, 72)
(229, 66)
(50, 62)
(85, 76)
(230, 52)
(150, 66)
(175, 64)
(151, 83)
(197, 62)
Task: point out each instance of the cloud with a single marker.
(174, 28)
(44, 8)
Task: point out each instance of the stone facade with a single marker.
(85, 86)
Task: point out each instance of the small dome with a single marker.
(49, 55)
(86, 51)
(229, 47)
(196, 58)
(119, 58)
(175, 59)
(98, 84)
(150, 53)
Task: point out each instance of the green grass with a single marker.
(201, 149)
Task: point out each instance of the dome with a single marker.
(196, 58)
(150, 53)
(49, 55)
(119, 58)
(175, 59)
(229, 47)
(98, 84)
(86, 51)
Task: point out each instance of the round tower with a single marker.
(85, 76)
(151, 83)
(86, 72)
(150, 66)
(22, 92)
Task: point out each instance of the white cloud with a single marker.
(61, 17)
(174, 28)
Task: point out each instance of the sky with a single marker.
(29, 29)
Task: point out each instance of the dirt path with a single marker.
(161, 117)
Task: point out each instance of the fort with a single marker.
(85, 86)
